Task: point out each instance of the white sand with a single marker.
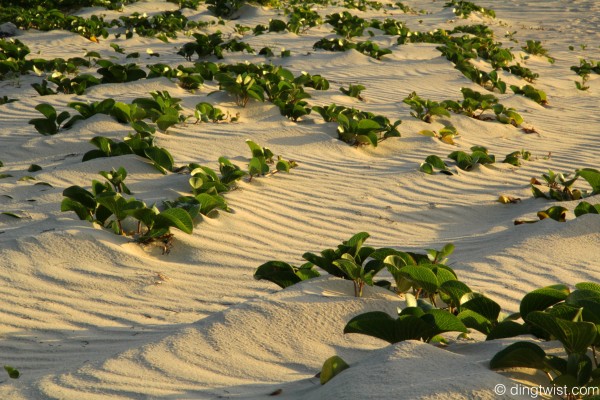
(86, 314)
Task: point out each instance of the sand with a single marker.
(86, 314)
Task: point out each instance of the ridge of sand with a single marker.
(87, 314)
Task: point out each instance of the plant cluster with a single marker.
(423, 109)
(346, 24)
(213, 44)
(447, 134)
(584, 70)
(560, 186)
(466, 161)
(163, 25)
(107, 206)
(464, 8)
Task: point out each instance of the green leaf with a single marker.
(332, 366)
(165, 121)
(80, 195)
(382, 326)
(484, 306)
(507, 329)
(278, 272)
(175, 217)
(593, 286)
(455, 289)
(162, 159)
(586, 208)
(421, 277)
(13, 215)
(12, 372)
(210, 202)
(576, 337)
(47, 110)
(426, 167)
(541, 299)
(520, 355)
(592, 176)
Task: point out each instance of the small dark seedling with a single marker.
(466, 162)
(53, 121)
(424, 110)
(560, 186)
(354, 91)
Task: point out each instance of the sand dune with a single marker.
(87, 314)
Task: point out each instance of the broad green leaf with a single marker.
(175, 217)
(586, 208)
(47, 110)
(520, 355)
(588, 286)
(421, 277)
(12, 372)
(541, 299)
(592, 176)
(576, 337)
(161, 157)
(507, 329)
(455, 289)
(484, 306)
(332, 367)
(80, 195)
(278, 272)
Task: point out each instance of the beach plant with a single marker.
(13, 373)
(415, 322)
(316, 82)
(6, 100)
(332, 367)
(363, 128)
(206, 112)
(571, 317)
(535, 47)
(349, 261)
(128, 113)
(140, 143)
(522, 72)
(224, 8)
(496, 82)
(116, 178)
(371, 49)
(162, 109)
(557, 213)
(586, 208)
(346, 24)
(353, 91)
(560, 186)
(301, 18)
(334, 44)
(109, 209)
(242, 86)
(53, 121)
(284, 274)
(203, 46)
(447, 134)
(537, 95)
(262, 157)
(433, 163)
(117, 73)
(464, 8)
(43, 89)
(75, 85)
(87, 110)
(330, 112)
(466, 162)
(516, 157)
(423, 109)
